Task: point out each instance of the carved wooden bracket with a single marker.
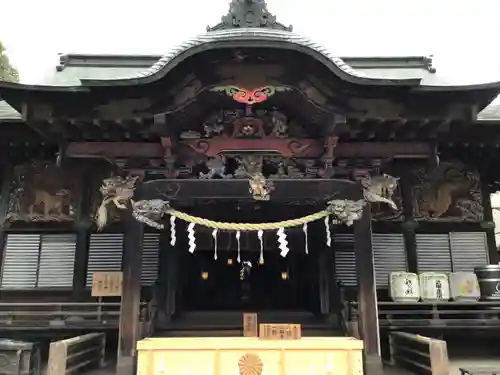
(329, 156)
(168, 157)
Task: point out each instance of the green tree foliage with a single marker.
(7, 71)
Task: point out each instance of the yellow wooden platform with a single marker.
(250, 356)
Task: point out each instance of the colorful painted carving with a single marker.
(249, 96)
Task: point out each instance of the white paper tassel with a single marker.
(238, 235)
(328, 234)
(173, 238)
(283, 243)
(192, 238)
(260, 233)
(214, 235)
(306, 239)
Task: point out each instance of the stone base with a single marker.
(373, 365)
(126, 366)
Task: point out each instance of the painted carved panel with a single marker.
(42, 192)
(450, 192)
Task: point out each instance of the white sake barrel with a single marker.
(404, 287)
(464, 286)
(434, 286)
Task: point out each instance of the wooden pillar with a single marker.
(167, 278)
(81, 257)
(408, 227)
(82, 238)
(131, 297)
(488, 224)
(367, 293)
(325, 275)
(4, 205)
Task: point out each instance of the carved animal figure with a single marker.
(150, 212)
(116, 190)
(52, 204)
(279, 121)
(438, 198)
(380, 189)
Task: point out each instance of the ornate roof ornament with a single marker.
(248, 14)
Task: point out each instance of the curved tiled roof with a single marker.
(250, 34)
(259, 36)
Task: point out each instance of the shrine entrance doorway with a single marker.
(249, 285)
(206, 291)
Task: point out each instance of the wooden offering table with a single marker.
(250, 356)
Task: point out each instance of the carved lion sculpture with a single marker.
(345, 211)
(380, 189)
(260, 188)
(116, 190)
(150, 212)
(53, 204)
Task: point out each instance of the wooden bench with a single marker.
(480, 370)
(419, 354)
(77, 354)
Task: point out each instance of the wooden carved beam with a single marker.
(419, 150)
(237, 190)
(289, 147)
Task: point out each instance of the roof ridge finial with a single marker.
(249, 13)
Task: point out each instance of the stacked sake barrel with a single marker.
(434, 286)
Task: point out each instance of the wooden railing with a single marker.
(419, 354)
(63, 315)
(77, 354)
(439, 315)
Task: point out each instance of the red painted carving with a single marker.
(289, 147)
(249, 96)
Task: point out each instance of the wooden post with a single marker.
(408, 228)
(81, 258)
(167, 278)
(488, 224)
(367, 293)
(131, 297)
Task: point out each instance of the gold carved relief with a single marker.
(43, 192)
(452, 192)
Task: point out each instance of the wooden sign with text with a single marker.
(107, 284)
(280, 331)
(250, 325)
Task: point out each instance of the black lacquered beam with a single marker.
(239, 190)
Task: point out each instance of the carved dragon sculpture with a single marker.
(251, 167)
(380, 189)
(116, 190)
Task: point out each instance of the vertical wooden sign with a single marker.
(250, 325)
(107, 284)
